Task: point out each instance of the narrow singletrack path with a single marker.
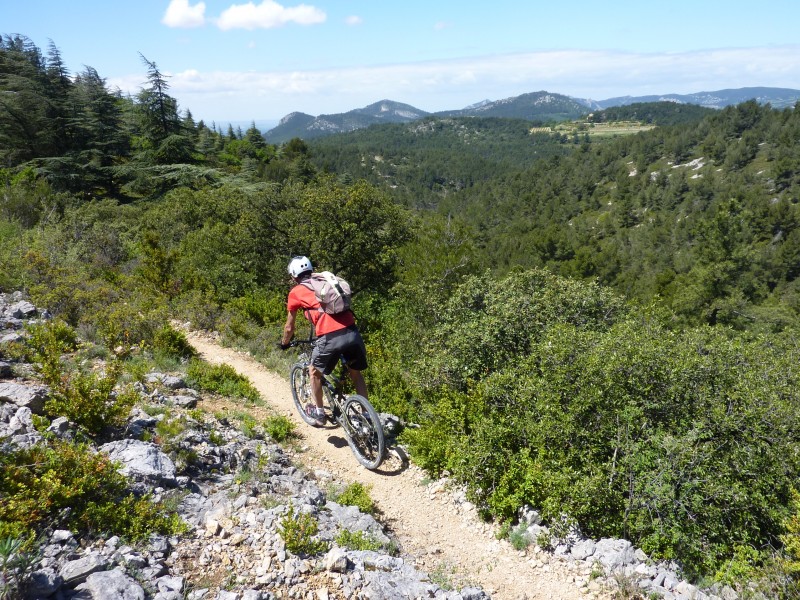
(446, 538)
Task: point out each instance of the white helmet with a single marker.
(299, 265)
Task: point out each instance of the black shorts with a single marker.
(343, 342)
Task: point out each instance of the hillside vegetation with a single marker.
(604, 329)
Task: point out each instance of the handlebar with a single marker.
(309, 342)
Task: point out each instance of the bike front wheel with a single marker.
(300, 381)
(365, 432)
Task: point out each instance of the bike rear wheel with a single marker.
(365, 432)
(300, 381)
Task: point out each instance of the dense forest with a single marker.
(601, 327)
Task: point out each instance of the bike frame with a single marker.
(353, 413)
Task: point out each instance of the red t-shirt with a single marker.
(301, 298)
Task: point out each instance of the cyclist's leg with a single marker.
(355, 356)
(358, 381)
(323, 360)
(315, 377)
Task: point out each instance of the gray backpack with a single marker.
(332, 292)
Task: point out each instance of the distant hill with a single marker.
(535, 106)
(305, 126)
(777, 97)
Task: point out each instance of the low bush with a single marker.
(172, 343)
(90, 399)
(356, 494)
(18, 559)
(220, 379)
(358, 540)
(68, 486)
(280, 428)
(45, 343)
(298, 530)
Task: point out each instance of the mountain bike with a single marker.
(354, 414)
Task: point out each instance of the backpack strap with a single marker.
(309, 286)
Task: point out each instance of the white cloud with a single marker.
(442, 25)
(443, 85)
(180, 14)
(354, 20)
(268, 15)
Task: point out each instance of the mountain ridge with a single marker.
(533, 106)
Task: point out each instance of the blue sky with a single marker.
(231, 60)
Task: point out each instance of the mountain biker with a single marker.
(337, 335)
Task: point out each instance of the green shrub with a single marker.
(90, 399)
(173, 343)
(518, 537)
(358, 540)
(39, 484)
(169, 429)
(18, 559)
(46, 343)
(11, 269)
(298, 530)
(200, 307)
(356, 494)
(220, 379)
(280, 428)
(131, 321)
(489, 323)
(622, 430)
(791, 539)
(259, 307)
(247, 424)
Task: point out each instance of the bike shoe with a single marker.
(317, 414)
(319, 418)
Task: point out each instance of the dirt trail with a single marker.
(445, 538)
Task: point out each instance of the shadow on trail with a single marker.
(395, 461)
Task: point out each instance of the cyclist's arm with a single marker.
(288, 328)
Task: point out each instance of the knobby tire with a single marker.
(366, 440)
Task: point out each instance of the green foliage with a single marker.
(91, 400)
(11, 239)
(425, 161)
(39, 484)
(171, 342)
(220, 379)
(358, 495)
(358, 540)
(18, 558)
(298, 530)
(487, 323)
(622, 427)
(168, 429)
(46, 342)
(791, 539)
(352, 230)
(135, 320)
(280, 428)
(260, 306)
(247, 424)
(658, 113)
(518, 538)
